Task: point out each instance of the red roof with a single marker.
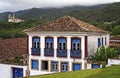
(67, 23)
(13, 47)
(114, 38)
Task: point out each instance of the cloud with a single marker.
(13, 5)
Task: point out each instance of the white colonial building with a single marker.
(63, 45)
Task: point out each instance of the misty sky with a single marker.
(14, 5)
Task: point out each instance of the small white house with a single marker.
(13, 60)
(63, 45)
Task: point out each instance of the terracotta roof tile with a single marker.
(12, 48)
(114, 38)
(67, 23)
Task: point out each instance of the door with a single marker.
(76, 67)
(95, 65)
(64, 66)
(17, 72)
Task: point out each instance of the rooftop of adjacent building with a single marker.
(13, 50)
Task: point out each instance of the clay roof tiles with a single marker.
(13, 47)
(66, 23)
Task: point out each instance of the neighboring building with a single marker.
(13, 18)
(63, 45)
(13, 58)
(114, 42)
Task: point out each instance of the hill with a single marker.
(109, 72)
(105, 16)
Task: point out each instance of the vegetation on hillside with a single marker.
(105, 16)
(109, 72)
(15, 30)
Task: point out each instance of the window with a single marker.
(99, 42)
(54, 66)
(62, 43)
(105, 41)
(102, 41)
(64, 66)
(36, 42)
(49, 42)
(44, 65)
(75, 44)
(35, 64)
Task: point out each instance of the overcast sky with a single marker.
(14, 5)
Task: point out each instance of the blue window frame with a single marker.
(54, 66)
(64, 66)
(76, 67)
(49, 42)
(62, 43)
(99, 42)
(36, 42)
(35, 64)
(76, 43)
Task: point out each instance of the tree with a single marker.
(103, 54)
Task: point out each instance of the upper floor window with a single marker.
(105, 41)
(62, 43)
(36, 42)
(49, 42)
(76, 43)
(102, 41)
(99, 42)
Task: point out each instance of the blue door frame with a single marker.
(17, 72)
(76, 67)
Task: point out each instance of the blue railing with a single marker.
(48, 52)
(35, 51)
(61, 53)
(75, 53)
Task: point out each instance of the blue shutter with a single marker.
(34, 64)
(99, 42)
(76, 67)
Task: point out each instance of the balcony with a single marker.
(61, 53)
(48, 52)
(75, 53)
(35, 51)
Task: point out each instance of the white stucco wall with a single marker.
(113, 62)
(93, 42)
(6, 70)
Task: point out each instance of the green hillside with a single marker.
(105, 16)
(110, 72)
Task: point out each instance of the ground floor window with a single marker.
(64, 66)
(35, 64)
(44, 65)
(95, 66)
(76, 67)
(54, 66)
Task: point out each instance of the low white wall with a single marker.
(6, 70)
(113, 62)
